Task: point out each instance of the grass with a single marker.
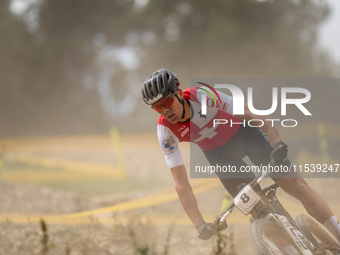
(224, 244)
(45, 238)
(141, 242)
(137, 237)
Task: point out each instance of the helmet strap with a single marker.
(182, 102)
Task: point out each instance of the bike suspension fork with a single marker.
(283, 211)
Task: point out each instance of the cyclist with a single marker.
(181, 120)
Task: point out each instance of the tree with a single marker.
(72, 75)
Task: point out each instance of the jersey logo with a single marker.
(180, 128)
(212, 89)
(206, 133)
(169, 146)
(185, 132)
(204, 98)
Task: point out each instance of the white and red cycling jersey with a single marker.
(200, 128)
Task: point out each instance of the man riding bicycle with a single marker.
(181, 120)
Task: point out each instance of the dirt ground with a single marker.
(144, 163)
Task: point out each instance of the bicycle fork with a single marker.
(294, 234)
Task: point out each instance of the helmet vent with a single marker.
(162, 83)
(157, 91)
(151, 90)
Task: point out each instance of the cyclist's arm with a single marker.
(169, 144)
(186, 195)
(268, 128)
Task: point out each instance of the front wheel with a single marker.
(268, 237)
(315, 232)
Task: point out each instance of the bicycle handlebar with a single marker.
(255, 181)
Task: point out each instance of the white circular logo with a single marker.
(169, 146)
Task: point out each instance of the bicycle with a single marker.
(272, 230)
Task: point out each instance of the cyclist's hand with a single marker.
(206, 230)
(279, 153)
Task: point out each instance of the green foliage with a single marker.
(46, 245)
(224, 244)
(239, 38)
(43, 69)
(45, 238)
(140, 235)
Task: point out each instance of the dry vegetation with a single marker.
(135, 238)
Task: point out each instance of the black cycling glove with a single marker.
(279, 153)
(206, 230)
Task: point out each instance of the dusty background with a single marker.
(54, 187)
(76, 137)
